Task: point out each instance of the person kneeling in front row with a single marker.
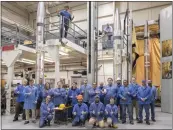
(96, 113)
(111, 111)
(80, 112)
(47, 109)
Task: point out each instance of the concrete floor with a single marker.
(164, 121)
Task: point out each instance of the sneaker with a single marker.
(147, 122)
(140, 121)
(26, 122)
(34, 121)
(123, 122)
(48, 123)
(115, 126)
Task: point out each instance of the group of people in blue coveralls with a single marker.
(100, 104)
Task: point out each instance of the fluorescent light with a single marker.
(48, 60)
(27, 61)
(63, 53)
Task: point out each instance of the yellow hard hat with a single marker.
(62, 106)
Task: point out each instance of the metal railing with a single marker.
(12, 34)
(62, 28)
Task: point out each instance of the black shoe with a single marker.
(145, 119)
(26, 122)
(137, 119)
(147, 122)
(131, 122)
(48, 123)
(15, 119)
(123, 122)
(153, 120)
(140, 121)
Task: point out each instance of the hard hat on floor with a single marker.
(62, 106)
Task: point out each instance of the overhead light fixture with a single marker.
(48, 60)
(23, 60)
(63, 53)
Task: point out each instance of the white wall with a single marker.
(105, 71)
(51, 73)
(13, 12)
(142, 11)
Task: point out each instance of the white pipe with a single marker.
(50, 19)
(39, 41)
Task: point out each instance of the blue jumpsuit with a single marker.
(118, 100)
(84, 91)
(59, 95)
(111, 92)
(102, 96)
(40, 88)
(20, 101)
(123, 93)
(46, 93)
(66, 17)
(72, 93)
(92, 94)
(152, 104)
(111, 108)
(30, 100)
(98, 109)
(144, 92)
(46, 115)
(79, 117)
(134, 88)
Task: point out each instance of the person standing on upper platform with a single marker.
(66, 19)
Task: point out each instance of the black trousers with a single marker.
(66, 26)
(19, 109)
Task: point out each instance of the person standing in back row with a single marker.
(84, 89)
(144, 100)
(153, 98)
(30, 101)
(134, 86)
(66, 18)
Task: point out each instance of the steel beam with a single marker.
(91, 48)
(40, 42)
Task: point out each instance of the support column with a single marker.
(117, 45)
(54, 53)
(146, 52)
(165, 37)
(91, 48)
(130, 27)
(40, 42)
(14, 55)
